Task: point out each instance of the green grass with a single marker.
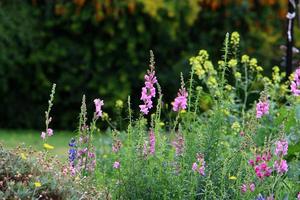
(30, 138)
(60, 140)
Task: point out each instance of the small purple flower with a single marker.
(116, 165)
(194, 166)
(262, 108)
(98, 104)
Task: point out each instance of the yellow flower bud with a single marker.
(245, 59)
(119, 104)
(232, 63)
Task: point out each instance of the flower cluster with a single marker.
(199, 166)
(98, 104)
(148, 91)
(116, 165)
(281, 149)
(260, 165)
(48, 133)
(296, 83)
(262, 108)
(180, 102)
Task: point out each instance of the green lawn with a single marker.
(60, 140)
(31, 138)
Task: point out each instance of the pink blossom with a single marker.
(251, 162)
(252, 187)
(43, 135)
(116, 165)
(262, 170)
(281, 148)
(98, 104)
(296, 83)
(180, 102)
(49, 132)
(298, 196)
(194, 166)
(148, 91)
(262, 108)
(281, 166)
(200, 167)
(244, 188)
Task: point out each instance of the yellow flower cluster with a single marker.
(232, 63)
(235, 38)
(204, 68)
(236, 127)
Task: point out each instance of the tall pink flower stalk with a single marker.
(296, 83)
(148, 91)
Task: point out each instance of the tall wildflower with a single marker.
(180, 102)
(296, 83)
(148, 91)
(48, 132)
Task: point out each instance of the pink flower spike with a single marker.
(298, 196)
(49, 132)
(43, 135)
(98, 104)
(281, 148)
(116, 165)
(262, 108)
(180, 102)
(281, 166)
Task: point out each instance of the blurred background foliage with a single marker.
(101, 48)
